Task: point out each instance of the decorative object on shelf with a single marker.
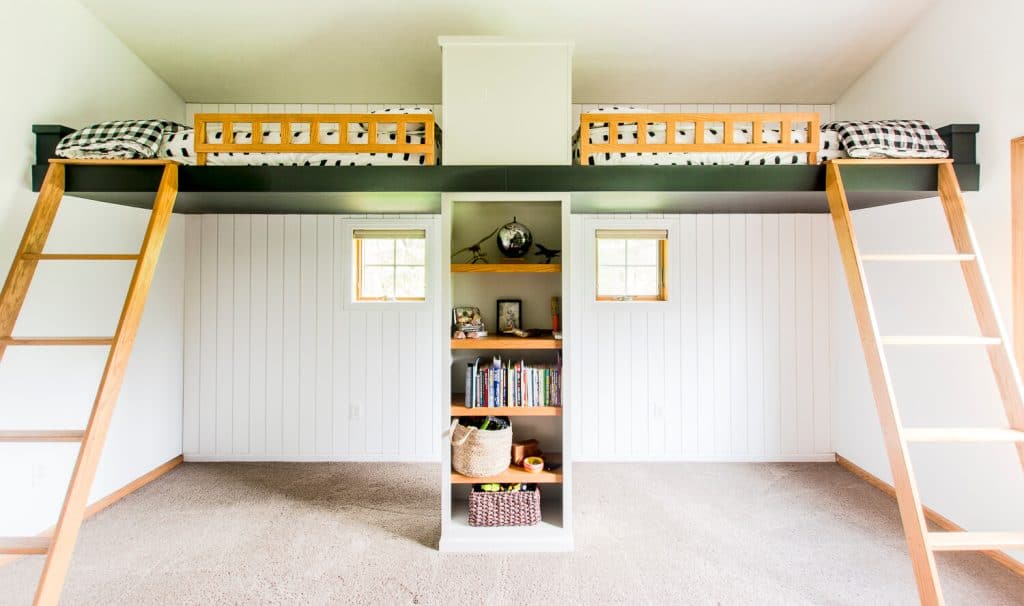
(547, 253)
(533, 464)
(514, 239)
(481, 446)
(556, 313)
(521, 450)
(477, 255)
(467, 323)
(504, 507)
(510, 313)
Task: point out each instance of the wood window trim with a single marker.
(359, 298)
(1017, 245)
(662, 278)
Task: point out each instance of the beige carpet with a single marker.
(366, 534)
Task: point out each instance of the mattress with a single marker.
(179, 145)
(829, 147)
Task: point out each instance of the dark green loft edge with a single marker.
(416, 189)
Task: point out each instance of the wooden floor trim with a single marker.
(113, 497)
(931, 515)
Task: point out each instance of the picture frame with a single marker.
(467, 317)
(509, 315)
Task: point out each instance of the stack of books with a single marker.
(508, 383)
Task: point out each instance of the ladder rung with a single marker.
(41, 435)
(974, 541)
(24, 545)
(78, 257)
(918, 257)
(56, 340)
(962, 434)
(939, 340)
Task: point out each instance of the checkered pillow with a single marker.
(123, 139)
(889, 139)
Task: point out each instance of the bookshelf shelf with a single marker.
(512, 475)
(498, 342)
(458, 410)
(507, 268)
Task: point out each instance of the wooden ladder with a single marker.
(922, 543)
(59, 547)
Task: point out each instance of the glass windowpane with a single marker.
(378, 252)
(411, 252)
(642, 252)
(611, 252)
(642, 281)
(410, 282)
(611, 281)
(378, 282)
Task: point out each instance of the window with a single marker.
(390, 264)
(631, 264)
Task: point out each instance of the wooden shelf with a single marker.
(507, 268)
(458, 410)
(513, 475)
(502, 342)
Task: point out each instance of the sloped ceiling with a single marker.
(385, 51)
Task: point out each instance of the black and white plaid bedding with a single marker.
(888, 139)
(122, 139)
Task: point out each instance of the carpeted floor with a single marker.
(367, 534)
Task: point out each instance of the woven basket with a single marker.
(477, 453)
(504, 508)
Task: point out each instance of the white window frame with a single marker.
(347, 261)
(670, 271)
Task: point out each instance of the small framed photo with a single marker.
(467, 317)
(510, 313)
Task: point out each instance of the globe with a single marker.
(514, 239)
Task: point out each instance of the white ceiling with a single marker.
(385, 51)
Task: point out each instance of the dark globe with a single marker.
(514, 239)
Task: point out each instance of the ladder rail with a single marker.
(1004, 365)
(907, 497)
(69, 524)
(23, 267)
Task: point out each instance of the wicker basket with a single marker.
(479, 454)
(520, 508)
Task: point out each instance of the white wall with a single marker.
(959, 64)
(733, 367)
(60, 65)
(277, 369)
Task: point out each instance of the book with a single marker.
(512, 383)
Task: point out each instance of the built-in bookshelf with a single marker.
(467, 217)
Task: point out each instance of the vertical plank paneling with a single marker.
(771, 314)
(423, 379)
(602, 324)
(407, 389)
(686, 390)
(292, 306)
(821, 371)
(258, 335)
(341, 354)
(789, 442)
(374, 379)
(357, 343)
(754, 347)
(722, 290)
(325, 290)
(640, 412)
(804, 335)
(208, 337)
(738, 334)
(225, 332)
(307, 334)
(705, 336)
(275, 335)
(391, 344)
(622, 423)
(655, 379)
(242, 306)
(193, 334)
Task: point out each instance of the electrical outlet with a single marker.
(355, 412)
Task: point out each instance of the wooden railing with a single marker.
(673, 122)
(286, 122)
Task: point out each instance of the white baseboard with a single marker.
(278, 458)
(828, 457)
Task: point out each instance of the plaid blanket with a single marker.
(889, 139)
(123, 139)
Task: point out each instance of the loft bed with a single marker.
(758, 188)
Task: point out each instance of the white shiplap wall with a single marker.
(277, 369)
(734, 367)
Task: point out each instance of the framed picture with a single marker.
(467, 317)
(510, 313)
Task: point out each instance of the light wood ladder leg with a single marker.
(1004, 366)
(24, 265)
(911, 512)
(63, 543)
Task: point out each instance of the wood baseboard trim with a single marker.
(1000, 557)
(113, 497)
